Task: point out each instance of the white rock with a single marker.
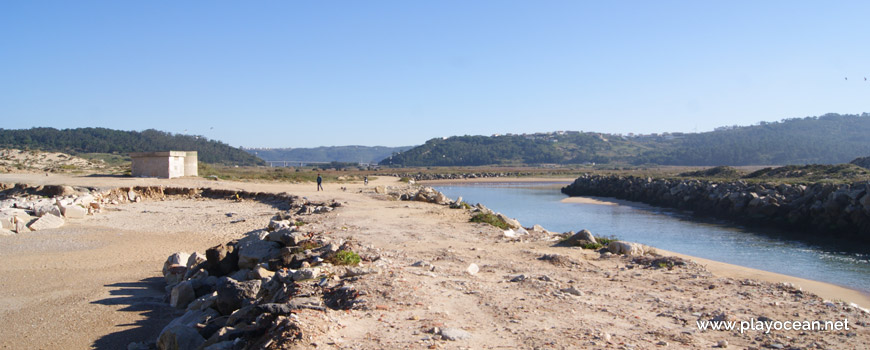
(454, 334)
(182, 294)
(131, 195)
(627, 248)
(253, 250)
(472, 269)
(46, 222)
(74, 212)
(510, 233)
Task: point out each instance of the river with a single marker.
(541, 203)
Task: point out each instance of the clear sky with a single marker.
(320, 73)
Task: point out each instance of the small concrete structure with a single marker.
(164, 164)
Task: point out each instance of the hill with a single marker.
(350, 154)
(863, 162)
(102, 140)
(828, 139)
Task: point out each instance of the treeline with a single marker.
(827, 139)
(102, 140)
(350, 154)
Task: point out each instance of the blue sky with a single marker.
(315, 73)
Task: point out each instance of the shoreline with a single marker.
(826, 290)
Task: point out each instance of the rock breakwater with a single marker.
(837, 210)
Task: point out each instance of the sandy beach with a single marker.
(96, 282)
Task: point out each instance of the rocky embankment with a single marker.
(838, 210)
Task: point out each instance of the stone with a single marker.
(131, 195)
(260, 272)
(180, 338)
(47, 208)
(573, 291)
(232, 293)
(222, 260)
(224, 345)
(84, 200)
(380, 190)
(203, 302)
(472, 269)
(722, 344)
(355, 271)
(580, 238)
(305, 274)
(182, 294)
(626, 248)
(518, 278)
(253, 250)
(74, 211)
(454, 334)
(46, 222)
(287, 236)
(513, 223)
(173, 262)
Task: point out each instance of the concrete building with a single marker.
(164, 164)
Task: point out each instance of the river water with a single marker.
(541, 203)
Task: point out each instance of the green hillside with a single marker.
(828, 139)
(349, 154)
(101, 140)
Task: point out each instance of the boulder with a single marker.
(513, 223)
(73, 211)
(46, 222)
(253, 250)
(175, 268)
(180, 338)
(580, 238)
(232, 293)
(47, 208)
(380, 190)
(222, 260)
(289, 237)
(627, 248)
(195, 259)
(182, 294)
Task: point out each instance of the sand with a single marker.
(95, 283)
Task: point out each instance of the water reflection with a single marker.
(762, 249)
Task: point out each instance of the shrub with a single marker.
(345, 257)
(490, 219)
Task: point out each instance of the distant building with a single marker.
(164, 165)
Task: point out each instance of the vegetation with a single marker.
(345, 257)
(490, 219)
(600, 242)
(716, 172)
(119, 143)
(349, 154)
(828, 139)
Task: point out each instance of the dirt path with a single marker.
(94, 283)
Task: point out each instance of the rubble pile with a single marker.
(253, 293)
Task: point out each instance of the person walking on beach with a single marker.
(366, 180)
(319, 183)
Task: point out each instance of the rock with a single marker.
(722, 344)
(305, 274)
(180, 338)
(175, 267)
(224, 345)
(194, 260)
(454, 334)
(222, 260)
(579, 238)
(513, 223)
(573, 291)
(232, 293)
(510, 233)
(260, 272)
(289, 237)
(472, 269)
(131, 195)
(518, 278)
(47, 208)
(354, 271)
(253, 250)
(46, 222)
(380, 190)
(73, 211)
(84, 200)
(627, 248)
(203, 302)
(182, 294)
